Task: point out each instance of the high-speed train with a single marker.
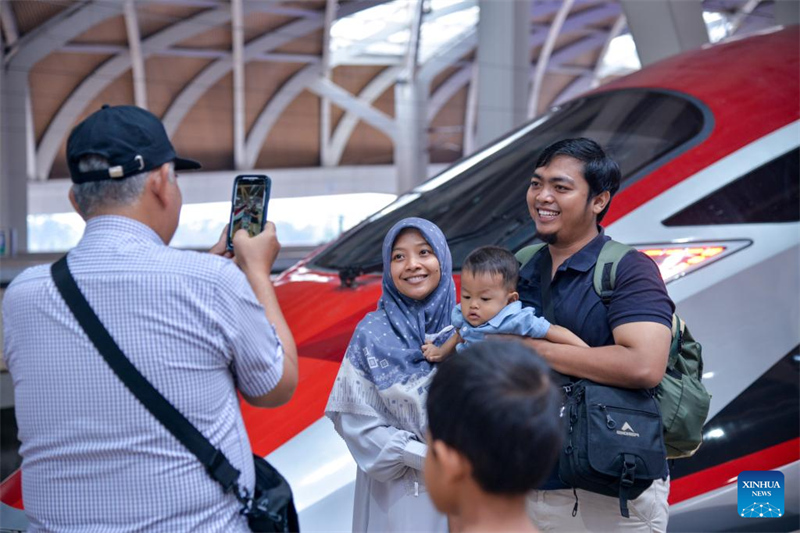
(708, 143)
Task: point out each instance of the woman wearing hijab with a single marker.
(378, 400)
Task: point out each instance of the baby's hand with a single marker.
(433, 353)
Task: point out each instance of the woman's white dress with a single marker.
(390, 494)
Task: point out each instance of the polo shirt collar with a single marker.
(584, 259)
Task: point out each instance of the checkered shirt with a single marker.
(94, 459)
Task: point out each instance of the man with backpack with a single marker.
(629, 331)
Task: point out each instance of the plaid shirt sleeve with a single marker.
(254, 347)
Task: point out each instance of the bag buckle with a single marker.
(628, 470)
(243, 496)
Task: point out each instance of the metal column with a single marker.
(237, 38)
(503, 67)
(663, 28)
(411, 113)
(14, 133)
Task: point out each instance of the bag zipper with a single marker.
(610, 422)
(628, 409)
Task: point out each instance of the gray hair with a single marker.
(96, 195)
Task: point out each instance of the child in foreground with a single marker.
(493, 435)
(490, 306)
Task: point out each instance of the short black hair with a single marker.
(496, 404)
(493, 260)
(600, 171)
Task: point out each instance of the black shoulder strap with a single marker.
(212, 458)
(545, 279)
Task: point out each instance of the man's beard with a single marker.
(548, 238)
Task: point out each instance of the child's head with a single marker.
(492, 419)
(488, 283)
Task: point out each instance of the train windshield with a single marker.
(481, 199)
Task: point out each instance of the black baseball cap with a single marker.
(132, 139)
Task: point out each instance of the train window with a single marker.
(481, 199)
(770, 193)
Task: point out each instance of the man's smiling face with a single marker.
(558, 201)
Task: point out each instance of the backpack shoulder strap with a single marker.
(605, 270)
(526, 254)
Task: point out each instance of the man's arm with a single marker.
(255, 257)
(637, 360)
(561, 335)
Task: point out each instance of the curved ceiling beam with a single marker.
(589, 80)
(345, 100)
(459, 48)
(273, 110)
(349, 55)
(59, 30)
(579, 85)
(458, 80)
(545, 8)
(447, 90)
(568, 53)
(544, 56)
(214, 72)
(470, 113)
(745, 11)
(448, 56)
(580, 22)
(344, 130)
(107, 74)
(253, 50)
(615, 32)
(575, 23)
(297, 84)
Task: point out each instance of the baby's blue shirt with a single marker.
(513, 319)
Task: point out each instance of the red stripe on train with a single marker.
(11, 490)
(681, 489)
(723, 474)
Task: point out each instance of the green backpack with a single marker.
(683, 399)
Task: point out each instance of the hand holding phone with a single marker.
(249, 205)
(256, 255)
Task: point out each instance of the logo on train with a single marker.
(760, 494)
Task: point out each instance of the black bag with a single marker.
(614, 442)
(271, 509)
(682, 397)
(273, 505)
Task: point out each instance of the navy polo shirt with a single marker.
(639, 296)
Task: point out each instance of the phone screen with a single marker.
(249, 205)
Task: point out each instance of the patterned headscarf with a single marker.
(384, 373)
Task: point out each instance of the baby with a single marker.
(490, 306)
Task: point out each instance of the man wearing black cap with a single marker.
(199, 327)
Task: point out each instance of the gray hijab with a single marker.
(383, 373)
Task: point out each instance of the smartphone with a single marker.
(249, 205)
